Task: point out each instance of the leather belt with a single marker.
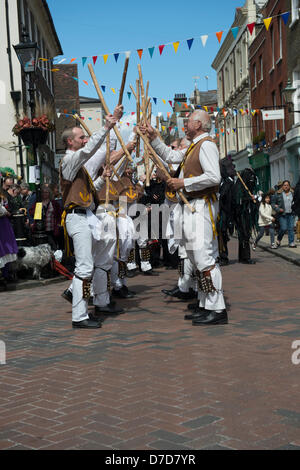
(78, 210)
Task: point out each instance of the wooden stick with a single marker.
(155, 158)
(131, 87)
(123, 81)
(75, 116)
(107, 161)
(138, 118)
(144, 111)
(247, 189)
(90, 67)
(83, 124)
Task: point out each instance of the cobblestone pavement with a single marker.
(150, 380)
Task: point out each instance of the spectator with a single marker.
(51, 217)
(7, 183)
(296, 207)
(282, 205)
(265, 221)
(8, 245)
(25, 194)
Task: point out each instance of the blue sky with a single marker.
(94, 28)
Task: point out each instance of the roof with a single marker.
(45, 4)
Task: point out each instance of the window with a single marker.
(282, 122)
(261, 68)
(295, 11)
(254, 76)
(280, 38)
(275, 128)
(272, 47)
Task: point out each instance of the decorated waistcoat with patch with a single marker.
(79, 192)
(171, 195)
(191, 167)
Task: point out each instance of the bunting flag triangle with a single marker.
(61, 61)
(250, 27)
(140, 53)
(219, 35)
(204, 39)
(129, 94)
(235, 31)
(127, 54)
(267, 22)
(105, 57)
(151, 50)
(116, 56)
(84, 81)
(164, 101)
(84, 59)
(161, 48)
(155, 100)
(113, 90)
(95, 57)
(103, 88)
(205, 107)
(74, 78)
(171, 104)
(190, 43)
(285, 17)
(175, 45)
(72, 60)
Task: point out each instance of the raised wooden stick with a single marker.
(90, 67)
(138, 118)
(82, 123)
(155, 158)
(144, 111)
(123, 80)
(246, 187)
(107, 161)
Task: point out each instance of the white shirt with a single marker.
(73, 161)
(208, 157)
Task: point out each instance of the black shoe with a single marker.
(212, 318)
(150, 272)
(67, 295)
(178, 294)
(86, 324)
(132, 273)
(171, 292)
(197, 314)
(247, 261)
(108, 310)
(193, 306)
(122, 293)
(127, 291)
(224, 262)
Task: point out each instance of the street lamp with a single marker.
(28, 55)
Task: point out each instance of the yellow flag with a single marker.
(113, 90)
(105, 57)
(267, 22)
(163, 127)
(164, 101)
(175, 45)
(205, 107)
(38, 211)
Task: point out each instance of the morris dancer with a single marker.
(199, 176)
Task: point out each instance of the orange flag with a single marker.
(140, 53)
(219, 35)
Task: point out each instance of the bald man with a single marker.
(198, 177)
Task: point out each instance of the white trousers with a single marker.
(202, 249)
(186, 281)
(103, 254)
(81, 235)
(124, 245)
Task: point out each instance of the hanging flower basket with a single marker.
(35, 131)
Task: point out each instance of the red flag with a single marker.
(95, 57)
(161, 48)
(140, 53)
(250, 27)
(171, 104)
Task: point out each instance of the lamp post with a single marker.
(28, 54)
(288, 92)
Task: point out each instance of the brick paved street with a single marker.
(149, 379)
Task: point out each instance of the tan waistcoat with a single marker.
(79, 192)
(192, 167)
